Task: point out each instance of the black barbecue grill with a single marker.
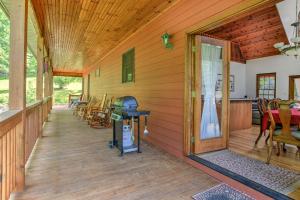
(124, 112)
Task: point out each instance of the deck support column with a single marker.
(40, 65)
(39, 80)
(17, 80)
(46, 82)
(51, 85)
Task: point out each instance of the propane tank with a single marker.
(127, 140)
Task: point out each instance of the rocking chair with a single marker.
(100, 106)
(102, 119)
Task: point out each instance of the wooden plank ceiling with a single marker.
(255, 34)
(79, 32)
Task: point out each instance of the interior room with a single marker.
(257, 71)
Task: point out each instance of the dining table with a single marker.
(295, 120)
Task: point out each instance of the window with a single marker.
(266, 85)
(128, 66)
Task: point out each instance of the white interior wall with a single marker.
(283, 66)
(239, 72)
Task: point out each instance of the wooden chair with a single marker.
(83, 108)
(98, 107)
(274, 104)
(262, 104)
(83, 102)
(285, 135)
(73, 99)
(102, 119)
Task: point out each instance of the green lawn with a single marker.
(30, 91)
(60, 95)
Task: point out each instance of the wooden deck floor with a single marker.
(72, 161)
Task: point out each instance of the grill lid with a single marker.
(126, 103)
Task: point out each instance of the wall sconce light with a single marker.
(166, 40)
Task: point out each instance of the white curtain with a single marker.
(211, 65)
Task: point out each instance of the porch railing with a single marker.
(11, 129)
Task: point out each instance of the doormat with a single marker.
(222, 192)
(276, 178)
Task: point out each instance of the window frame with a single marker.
(125, 67)
(258, 76)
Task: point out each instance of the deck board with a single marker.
(73, 161)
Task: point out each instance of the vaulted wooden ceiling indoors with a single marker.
(254, 34)
(78, 32)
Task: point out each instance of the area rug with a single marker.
(222, 192)
(276, 178)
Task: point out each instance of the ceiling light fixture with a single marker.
(292, 49)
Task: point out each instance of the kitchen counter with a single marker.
(240, 114)
(241, 99)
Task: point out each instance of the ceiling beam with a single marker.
(69, 74)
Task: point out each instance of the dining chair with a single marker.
(262, 109)
(274, 104)
(284, 135)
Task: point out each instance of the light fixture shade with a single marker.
(293, 51)
(295, 39)
(279, 45)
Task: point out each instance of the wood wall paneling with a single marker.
(159, 72)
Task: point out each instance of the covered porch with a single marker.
(148, 49)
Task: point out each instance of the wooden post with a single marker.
(51, 85)
(17, 79)
(39, 81)
(46, 84)
(82, 85)
(40, 63)
(88, 86)
(51, 82)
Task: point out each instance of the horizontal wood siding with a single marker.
(159, 72)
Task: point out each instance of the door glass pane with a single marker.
(212, 83)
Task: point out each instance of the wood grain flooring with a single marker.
(73, 161)
(242, 142)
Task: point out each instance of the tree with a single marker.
(4, 44)
(31, 64)
(62, 81)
